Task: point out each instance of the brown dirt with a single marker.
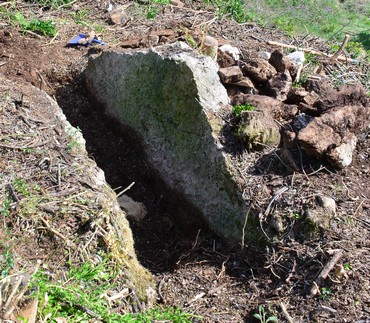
(194, 269)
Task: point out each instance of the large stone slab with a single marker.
(170, 98)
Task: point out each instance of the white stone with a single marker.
(135, 210)
(297, 58)
(234, 52)
(265, 55)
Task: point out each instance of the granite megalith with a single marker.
(171, 98)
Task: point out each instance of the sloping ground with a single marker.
(194, 269)
(57, 210)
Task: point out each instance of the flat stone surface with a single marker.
(230, 74)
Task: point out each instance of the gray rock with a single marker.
(170, 97)
(117, 240)
(258, 130)
(327, 203)
(322, 212)
(297, 58)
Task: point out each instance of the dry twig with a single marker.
(337, 54)
(315, 288)
(285, 312)
(311, 51)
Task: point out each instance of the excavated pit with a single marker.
(172, 223)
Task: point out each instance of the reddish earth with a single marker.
(194, 269)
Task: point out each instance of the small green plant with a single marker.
(20, 186)
(151, 13)
(235, 8)
(80, 16)
(7, 263)
(83, 294)
(152, 9)
(73, 135)
(298, 216)
(238, 109)
(5, 206)
(325, 293)
(41, 27)
(262, 316)
(355, 49)
(347, 266)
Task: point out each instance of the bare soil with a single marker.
(193, 268)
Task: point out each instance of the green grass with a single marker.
(80, 297)
(52, 3)
(154, 6)
(38, 26)
(324, 18)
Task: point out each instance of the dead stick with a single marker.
(311, 51)
(285, 312)
(337, 54)
(46, 223)
(325, 272)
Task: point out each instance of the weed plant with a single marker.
(41, 27)
(238, 109)
(82, 296)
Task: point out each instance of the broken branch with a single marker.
(337, 54)
(337, 254)
(311, 51)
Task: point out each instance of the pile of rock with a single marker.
(325, 122)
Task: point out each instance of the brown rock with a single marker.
(247, 84)
(118, 17)
(237, 98)
(177, 3)
(308, 109)
(280, 61)
(131, 43)
(150, 40)
(288, 139)
(209, 47)
(163, 32)
(296, 95)
(288, 111)
(258, 69)
(333, 135)
(318, 86)
(322, 212)
(311, 98)
(225, 60)
(350, 94)
(230, 74)
(279, 85)
(263, 102)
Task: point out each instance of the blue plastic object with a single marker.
(83, 40)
